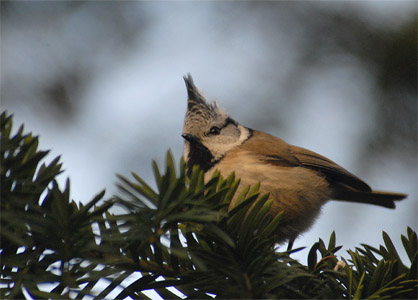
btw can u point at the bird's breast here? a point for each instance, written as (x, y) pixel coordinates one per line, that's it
(298, 191)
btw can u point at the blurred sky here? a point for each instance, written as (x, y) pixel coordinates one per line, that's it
(101, 83)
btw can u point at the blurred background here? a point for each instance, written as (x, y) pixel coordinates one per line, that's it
(101, 84)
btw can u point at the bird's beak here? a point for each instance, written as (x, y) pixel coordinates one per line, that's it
(190, 137)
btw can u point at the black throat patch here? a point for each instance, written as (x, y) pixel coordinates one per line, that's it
(199, 155)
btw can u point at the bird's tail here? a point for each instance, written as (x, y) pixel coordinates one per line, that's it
(385, 199)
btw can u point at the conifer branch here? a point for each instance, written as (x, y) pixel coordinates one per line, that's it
(180, 235)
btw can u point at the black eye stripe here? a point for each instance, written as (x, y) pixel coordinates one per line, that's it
(230, 121)
(227, 122)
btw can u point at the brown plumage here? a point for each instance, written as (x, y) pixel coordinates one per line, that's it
(299, 181)
(344, 185)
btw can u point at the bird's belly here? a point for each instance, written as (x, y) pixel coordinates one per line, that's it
(298, 191)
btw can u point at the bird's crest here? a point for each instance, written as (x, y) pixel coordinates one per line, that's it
(199, 112)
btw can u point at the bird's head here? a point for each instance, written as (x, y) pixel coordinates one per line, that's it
(208, 130)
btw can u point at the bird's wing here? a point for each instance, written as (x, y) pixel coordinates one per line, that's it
(332, 171)
(278, 152)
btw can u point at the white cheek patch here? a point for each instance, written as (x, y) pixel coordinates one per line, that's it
(220, 149)
(245, 134)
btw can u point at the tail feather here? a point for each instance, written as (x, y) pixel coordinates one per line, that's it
(385, 199)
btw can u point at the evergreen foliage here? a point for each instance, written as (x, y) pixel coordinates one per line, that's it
(179, 235)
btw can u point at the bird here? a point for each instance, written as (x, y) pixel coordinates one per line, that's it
(298, 180)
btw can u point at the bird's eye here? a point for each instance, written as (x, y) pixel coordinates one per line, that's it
(214, 131)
